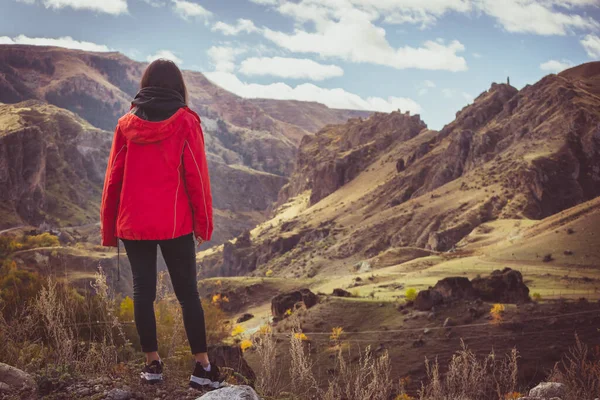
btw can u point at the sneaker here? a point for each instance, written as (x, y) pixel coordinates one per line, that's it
(152, 373)
(202, 379)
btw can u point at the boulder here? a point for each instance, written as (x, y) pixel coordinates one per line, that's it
(341, 293)
(504, 286)
(244, 318)
(13, 378)
(65, 238)
(231, 393)
(548, 390)
(427, 299)
(286, 301)
(230, 357)
(455, 288)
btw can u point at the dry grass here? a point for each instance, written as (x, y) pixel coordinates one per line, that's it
(369, 378)
(579, 371)
(269, 380)
(470, 378)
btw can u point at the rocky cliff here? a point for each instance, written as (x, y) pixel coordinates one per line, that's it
(368, 186)
(251, 144)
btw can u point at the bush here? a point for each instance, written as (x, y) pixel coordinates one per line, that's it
(411, 294)
(536, 297)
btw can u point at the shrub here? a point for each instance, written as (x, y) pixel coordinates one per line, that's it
(245, 345)
(497, 312)
(411, 294)
(536, 296)
(269, 273)
(548, 258)
(237, 331)
(336, 334)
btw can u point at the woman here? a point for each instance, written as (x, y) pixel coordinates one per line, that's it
(157, 193)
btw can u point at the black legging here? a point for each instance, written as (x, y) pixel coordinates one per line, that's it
(180, 256)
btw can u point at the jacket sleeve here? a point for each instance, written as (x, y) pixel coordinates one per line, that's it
(113, 181)
(198, 183)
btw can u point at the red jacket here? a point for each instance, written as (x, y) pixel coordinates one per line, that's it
(157, 185)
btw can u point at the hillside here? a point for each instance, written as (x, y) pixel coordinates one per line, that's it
(250, 149)
(386, 185)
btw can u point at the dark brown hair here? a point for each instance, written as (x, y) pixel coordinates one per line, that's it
(165, 74)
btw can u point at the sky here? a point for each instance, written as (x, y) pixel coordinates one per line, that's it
(429, 57)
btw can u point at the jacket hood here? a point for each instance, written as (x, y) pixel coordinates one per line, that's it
(153, 101)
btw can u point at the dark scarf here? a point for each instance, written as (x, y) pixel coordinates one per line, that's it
(156, 103)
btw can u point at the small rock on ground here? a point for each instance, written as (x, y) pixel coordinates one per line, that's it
(548, 390)
(231, 393)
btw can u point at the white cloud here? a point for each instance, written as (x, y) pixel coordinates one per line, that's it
(223, 57)
(291, 68)
(334, 98)
(65, 41)
(155, 3)
(477, 55)
(467, 97)
(448, 93)
(114, 7)
(360, 41)
(165, 54)
(591, 44)
(425, 86)
(242, 25)
(187, 10)
(542, 17)
(555, 66)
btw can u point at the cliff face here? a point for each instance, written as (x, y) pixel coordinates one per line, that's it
(338, 153)
(387, 182)
(251, 149)
(52, 165)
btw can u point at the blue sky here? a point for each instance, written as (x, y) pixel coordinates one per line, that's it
(426, 56)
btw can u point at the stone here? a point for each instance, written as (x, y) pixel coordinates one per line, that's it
(233, 358)
(14, 378)
(455, 288)
(448, 322)
(548, 390)
(504, 286)
(427, 299)
(341, 293)
(244, 318)
(118, 394)
(286, 301)
(231, 393)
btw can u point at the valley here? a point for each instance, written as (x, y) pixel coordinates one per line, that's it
(333, 219)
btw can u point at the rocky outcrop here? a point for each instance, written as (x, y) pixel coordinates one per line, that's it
(337, 154)
(427, 299)
(504, 286)
(231, 393)
(280, 304)
(455, 288)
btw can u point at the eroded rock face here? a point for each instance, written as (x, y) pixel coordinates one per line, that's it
(287, 301)
(337, 154)
(504, 286)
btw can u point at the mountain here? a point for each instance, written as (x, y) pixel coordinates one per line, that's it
(388, 187)
(251, 144)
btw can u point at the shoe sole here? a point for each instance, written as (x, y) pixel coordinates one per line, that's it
(203, 383)
(151, 379)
